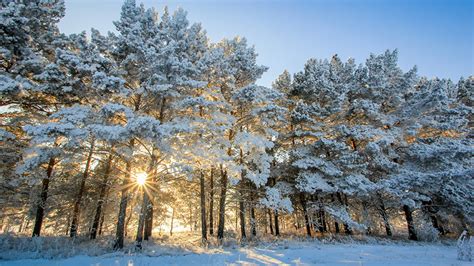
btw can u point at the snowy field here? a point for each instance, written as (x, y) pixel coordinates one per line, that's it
(292, 253)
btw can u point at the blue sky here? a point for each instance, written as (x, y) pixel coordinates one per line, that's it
(435, 35)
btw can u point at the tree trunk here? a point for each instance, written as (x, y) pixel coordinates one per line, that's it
(77, 203)
(253, 226)
(100, 202)
(203, 209)
(68, 222)
(23, 219)
(365, 217)
(411, 226)
(336, 226)
(320, 221)
(190, 217)
(242, 213)
(265, 221)
(27, 223)
(128, 218)
(43, 197)
(211, 204)
(435, 223)
(141, 220)
(385, 218)
(347, 229)
(172, 221)
(296, 221)
(146, 205)
(431, 211)
(120, 232)
(277, 227)
(325, 225)
(271, 222)
(148, 216)
(101, 224)
(305, 214)
(220, 228)
(148, 221)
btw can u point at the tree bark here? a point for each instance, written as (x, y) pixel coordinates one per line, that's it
(146, 205)
(203, 208)
(148, 221)
(243, 235)
(321, 226)
(211, 204)
(120, 232)
(253, 226)
(220, 228)
(101, 224)
(43, 197)
(271, 222)
(410, 224)
(385, 218)
(141, 220)
(305, 214)
(336, 224)
(100, 202)
(323, 218)
(148, 216)
(277, 227)
(128, 218)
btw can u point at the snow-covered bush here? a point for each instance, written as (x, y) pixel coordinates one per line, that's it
(464, 245)
(425, 230)
(13, 246)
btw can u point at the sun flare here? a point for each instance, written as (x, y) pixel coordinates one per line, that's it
(141, 178)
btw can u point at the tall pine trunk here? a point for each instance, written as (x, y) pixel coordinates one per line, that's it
(148, 215)
(321, 218)
(203, 208)
(336, 224)
(100, 202)
(146, 204)
(253, 226)
(148, 221)
(305, 214)
(120, 232)
(101, 224)
(43, 197)
(141, 220)
(271, 222)
(410, 224)
(128, 218)
(241, 200)
(211, 204)
(385, 218)
(242, 213)
(277, 227)
(223, 183)
(80, 194)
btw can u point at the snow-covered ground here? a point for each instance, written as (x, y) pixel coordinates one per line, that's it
(289, 253)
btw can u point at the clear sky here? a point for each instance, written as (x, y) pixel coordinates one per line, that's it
(435, 35)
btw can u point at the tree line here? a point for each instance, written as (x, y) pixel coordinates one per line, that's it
(334, 148)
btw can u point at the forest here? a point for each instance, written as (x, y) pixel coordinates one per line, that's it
(154, 128)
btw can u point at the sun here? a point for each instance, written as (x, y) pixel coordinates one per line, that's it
(141, 178)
